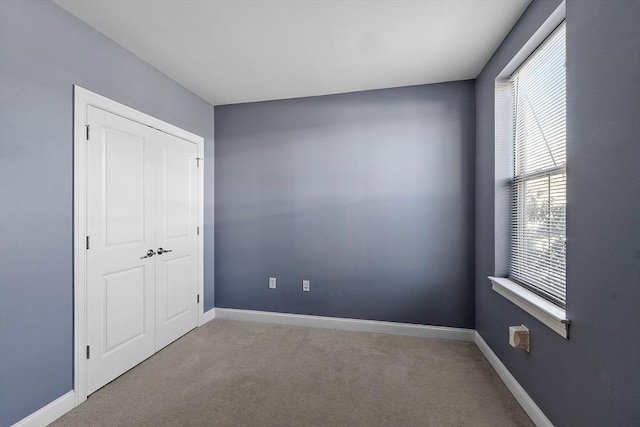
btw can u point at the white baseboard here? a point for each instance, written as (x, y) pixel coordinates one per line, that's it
(207, 316)
(527, 403)
(441, 332)
(48, 414)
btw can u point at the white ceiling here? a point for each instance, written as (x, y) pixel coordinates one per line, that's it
(230, 51)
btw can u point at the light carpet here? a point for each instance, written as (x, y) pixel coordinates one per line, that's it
(229, 373)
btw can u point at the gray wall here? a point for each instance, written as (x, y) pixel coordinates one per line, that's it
(368, 195)
(43, 52)
(593, 378)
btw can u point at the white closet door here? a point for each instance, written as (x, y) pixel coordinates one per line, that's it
(121, 228)
(177, 246)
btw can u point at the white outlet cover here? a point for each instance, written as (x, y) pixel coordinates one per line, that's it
(272, 282)
(306, 286)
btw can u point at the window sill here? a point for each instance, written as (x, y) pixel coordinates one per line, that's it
(543, 310)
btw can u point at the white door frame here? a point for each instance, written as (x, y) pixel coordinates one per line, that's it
(84, 98)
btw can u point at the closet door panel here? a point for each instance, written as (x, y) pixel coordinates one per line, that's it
(121, 229)
(177, 220)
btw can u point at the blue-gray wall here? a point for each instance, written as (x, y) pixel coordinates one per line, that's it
(368, 195)
(43, 52)
(592, 379)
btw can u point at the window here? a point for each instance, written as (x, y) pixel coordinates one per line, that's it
(538, 186)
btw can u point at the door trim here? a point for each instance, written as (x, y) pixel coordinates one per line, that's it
(84, 98)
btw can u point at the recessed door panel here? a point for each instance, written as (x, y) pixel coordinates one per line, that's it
(177, 186)
(124, 308)
(124, 187)
(177, 290)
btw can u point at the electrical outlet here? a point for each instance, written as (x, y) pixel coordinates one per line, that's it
(272, 282)
(306, 286)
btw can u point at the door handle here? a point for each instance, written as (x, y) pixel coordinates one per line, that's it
(161, 251)
(150, 253)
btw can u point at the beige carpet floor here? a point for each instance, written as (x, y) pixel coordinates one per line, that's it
(250, 374)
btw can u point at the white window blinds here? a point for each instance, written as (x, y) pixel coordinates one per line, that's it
(538, 231)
